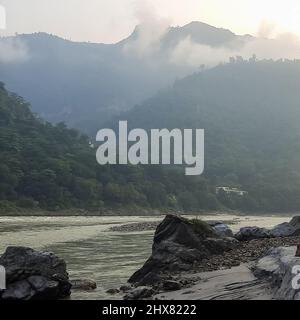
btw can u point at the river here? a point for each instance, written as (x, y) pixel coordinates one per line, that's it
(92, 251)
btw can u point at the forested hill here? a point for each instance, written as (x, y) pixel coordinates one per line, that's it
(52, 167)
(41, 164)
(250, 111)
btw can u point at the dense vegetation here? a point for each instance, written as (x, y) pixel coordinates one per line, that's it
(250, 111)
(52, 167)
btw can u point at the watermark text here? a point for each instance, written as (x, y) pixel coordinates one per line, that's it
(164, 147)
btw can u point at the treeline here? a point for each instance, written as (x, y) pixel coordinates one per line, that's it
(52, 167)
(250, 111)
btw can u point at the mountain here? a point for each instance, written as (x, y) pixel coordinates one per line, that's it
(202, 33)
(84, 84)
(45, 166)
(199, 32)
(41, 165)
(250, 112)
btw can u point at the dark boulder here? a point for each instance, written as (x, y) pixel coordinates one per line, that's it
(283, 230)
(125, 288)
(170, 285)
(178, 245)
(251, 233)
(286, 229)
(221, 228)
(83, 284)
(295, 222)
(113, 291)
(32, 274)
(139, 293)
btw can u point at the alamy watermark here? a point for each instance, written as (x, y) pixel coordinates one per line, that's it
(2, 278)
(165, 147)
(296, 278)
(2, 18)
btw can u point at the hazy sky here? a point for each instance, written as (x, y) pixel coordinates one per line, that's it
(112, 20)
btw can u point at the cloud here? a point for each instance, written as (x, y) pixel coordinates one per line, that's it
(284, 46)
(191, 54)
(149, 32)
(266, 29)
(147, 41)
(13, 50)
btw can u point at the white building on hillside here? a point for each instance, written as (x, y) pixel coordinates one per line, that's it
(229, 190)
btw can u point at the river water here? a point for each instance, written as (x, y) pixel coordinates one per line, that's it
(92, 251)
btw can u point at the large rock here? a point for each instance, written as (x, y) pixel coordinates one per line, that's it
(221, 228)
(283, 230)
(251, 233)
(280, 267)
(295, 222)
(287, 229)
(32, 274)
(178, 245)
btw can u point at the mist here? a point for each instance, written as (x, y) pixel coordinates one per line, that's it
(13, 50)
(187, 52)
(150, 34)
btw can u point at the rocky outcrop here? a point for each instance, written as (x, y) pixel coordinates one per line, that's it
(251, 233)
(283, 230)
(34, 275)
(178, 245)
(295, 222)
(281, 268)
(287, 229)
(221, 228)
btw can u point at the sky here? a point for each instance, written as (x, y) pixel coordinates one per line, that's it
(109, 21)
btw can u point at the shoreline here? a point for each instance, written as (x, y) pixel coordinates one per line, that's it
(222, 276)
(267, 277)
(183, 250)
(245, 252)
(236, 283)
(136, 212)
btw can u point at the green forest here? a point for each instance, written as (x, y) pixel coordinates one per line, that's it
(250, 112)
(52, 167)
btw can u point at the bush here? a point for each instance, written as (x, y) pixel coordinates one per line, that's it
(26, 203)
(202, 228)
(7, 206)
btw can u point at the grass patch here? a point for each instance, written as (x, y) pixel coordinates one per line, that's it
(202, 228)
